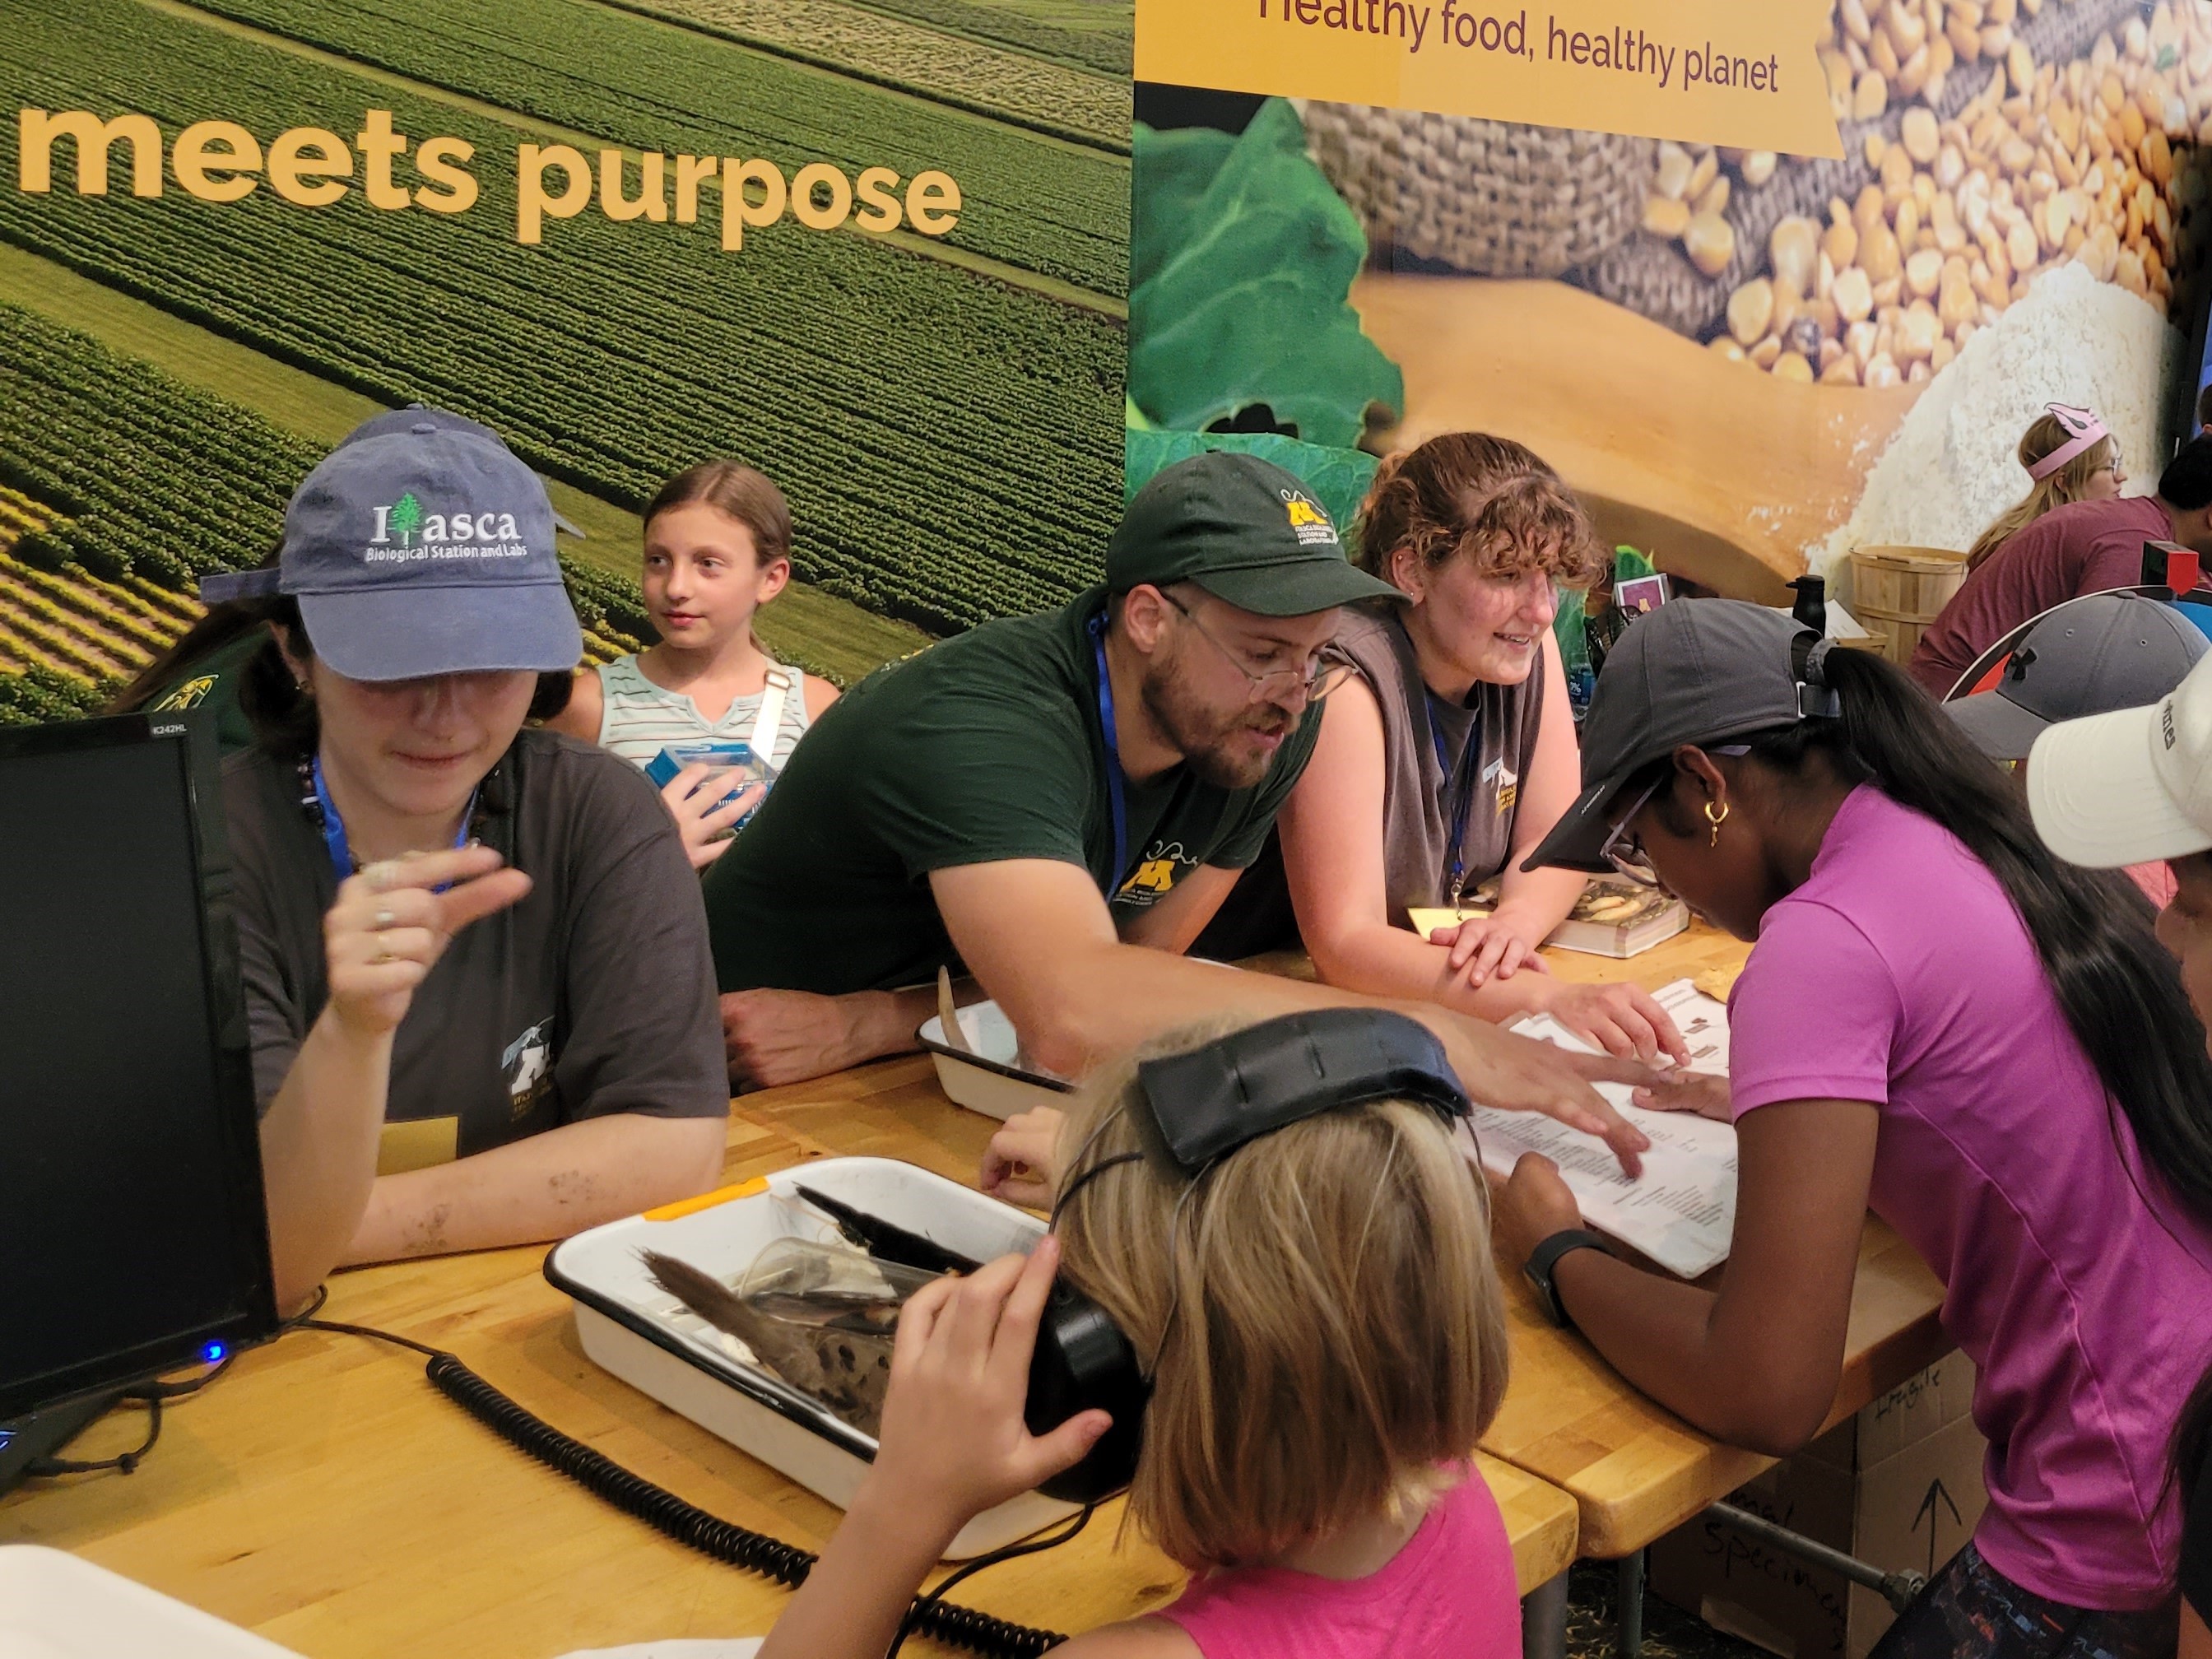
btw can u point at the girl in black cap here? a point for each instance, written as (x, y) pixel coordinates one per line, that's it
(1944, 1023)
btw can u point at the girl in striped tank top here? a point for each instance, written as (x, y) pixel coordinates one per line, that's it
(717, 548)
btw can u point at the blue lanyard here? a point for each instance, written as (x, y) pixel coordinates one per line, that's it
(1455, 853)
(1115, 797)
(333, 826)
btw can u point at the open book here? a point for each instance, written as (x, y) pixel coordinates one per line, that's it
(1682, 1209)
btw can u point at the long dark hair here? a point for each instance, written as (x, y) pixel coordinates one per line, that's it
(2120, 989)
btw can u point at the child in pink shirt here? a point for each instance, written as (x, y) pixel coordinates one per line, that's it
(1326, 1340)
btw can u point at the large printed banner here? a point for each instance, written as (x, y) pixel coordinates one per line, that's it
(1739, 72)
(877, 248)
(1766, 282)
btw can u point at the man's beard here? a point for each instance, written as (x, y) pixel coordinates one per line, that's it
(1204, 737)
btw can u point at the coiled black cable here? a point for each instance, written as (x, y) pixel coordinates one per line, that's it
(658, 1507)
(928, 1611)
(669, 1515)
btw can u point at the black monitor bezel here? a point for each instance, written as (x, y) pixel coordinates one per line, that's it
(192, 735)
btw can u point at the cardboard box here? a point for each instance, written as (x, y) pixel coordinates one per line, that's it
(1899, 1486)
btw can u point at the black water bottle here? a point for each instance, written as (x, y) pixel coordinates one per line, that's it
(1811, 606)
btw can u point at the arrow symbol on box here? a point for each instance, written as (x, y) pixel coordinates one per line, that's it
(1937, 1492)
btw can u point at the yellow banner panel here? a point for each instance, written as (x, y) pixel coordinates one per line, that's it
(1740, 73)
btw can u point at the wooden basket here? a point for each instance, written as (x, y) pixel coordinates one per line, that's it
(1903, 589)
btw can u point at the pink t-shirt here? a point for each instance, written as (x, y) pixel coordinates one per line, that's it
(1449, 1594)
(1900, 974)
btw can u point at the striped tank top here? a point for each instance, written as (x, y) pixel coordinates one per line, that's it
(638, 719)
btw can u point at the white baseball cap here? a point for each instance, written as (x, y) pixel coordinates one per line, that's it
(2131, 786)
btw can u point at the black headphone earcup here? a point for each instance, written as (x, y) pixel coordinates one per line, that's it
(1083, 1362)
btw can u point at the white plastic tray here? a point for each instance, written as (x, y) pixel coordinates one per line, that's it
(54, 1605)
(633, 1329)
(989, 1080)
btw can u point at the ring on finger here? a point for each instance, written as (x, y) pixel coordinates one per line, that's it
(381, 958)
(384, 919)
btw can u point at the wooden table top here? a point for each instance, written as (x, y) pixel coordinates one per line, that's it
(325, 1496)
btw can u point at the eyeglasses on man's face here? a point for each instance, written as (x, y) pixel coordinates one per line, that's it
(1314, 680)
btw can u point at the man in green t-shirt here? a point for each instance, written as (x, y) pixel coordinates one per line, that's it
(1040, 799)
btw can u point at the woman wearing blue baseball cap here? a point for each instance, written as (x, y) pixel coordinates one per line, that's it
(476, 974)
(1941, 1022)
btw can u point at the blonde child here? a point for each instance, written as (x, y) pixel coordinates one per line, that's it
(717, 548)
(2069, 456)
(1322, 1324)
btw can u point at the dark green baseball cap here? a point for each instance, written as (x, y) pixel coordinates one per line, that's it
(1244, 530)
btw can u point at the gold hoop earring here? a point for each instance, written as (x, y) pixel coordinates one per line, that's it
(1716, 819)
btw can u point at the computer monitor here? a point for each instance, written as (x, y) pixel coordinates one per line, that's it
(133, 1236)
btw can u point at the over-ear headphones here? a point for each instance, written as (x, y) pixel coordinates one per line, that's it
(1205, 1104)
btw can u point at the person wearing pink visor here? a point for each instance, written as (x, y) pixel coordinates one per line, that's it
(2086, 546)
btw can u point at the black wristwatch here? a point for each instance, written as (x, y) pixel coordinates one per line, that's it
(1546, 1257)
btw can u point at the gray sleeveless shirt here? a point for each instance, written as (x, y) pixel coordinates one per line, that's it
(1439, 760)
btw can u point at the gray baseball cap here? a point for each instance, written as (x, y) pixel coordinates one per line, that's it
(422, 547)
(2088, 656)
(1698, 671)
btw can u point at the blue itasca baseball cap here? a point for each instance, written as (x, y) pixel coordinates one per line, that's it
(421, 546)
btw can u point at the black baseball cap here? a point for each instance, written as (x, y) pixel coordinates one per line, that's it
(1698, 671)
(2088, 656)
(1244, 530)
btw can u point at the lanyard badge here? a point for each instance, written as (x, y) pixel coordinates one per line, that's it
(1117, 787)
(1463, 802)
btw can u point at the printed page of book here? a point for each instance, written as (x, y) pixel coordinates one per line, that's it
(1681, 1211)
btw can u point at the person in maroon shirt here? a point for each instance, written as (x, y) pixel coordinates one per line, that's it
(2086, 547)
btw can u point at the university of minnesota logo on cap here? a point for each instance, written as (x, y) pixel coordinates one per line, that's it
(1308, 521)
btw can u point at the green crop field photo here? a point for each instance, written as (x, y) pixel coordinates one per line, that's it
(943, 412)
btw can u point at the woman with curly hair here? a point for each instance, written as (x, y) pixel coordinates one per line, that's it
(1447, 755)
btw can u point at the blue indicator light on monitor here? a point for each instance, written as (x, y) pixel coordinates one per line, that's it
(213, 1353)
